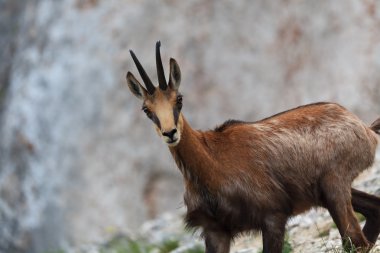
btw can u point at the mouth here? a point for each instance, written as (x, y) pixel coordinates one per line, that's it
(173, 142)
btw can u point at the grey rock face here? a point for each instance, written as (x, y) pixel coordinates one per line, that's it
(79, 160)
(10, 12)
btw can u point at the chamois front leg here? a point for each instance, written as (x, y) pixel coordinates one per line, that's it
(217, 242)
(273, 233)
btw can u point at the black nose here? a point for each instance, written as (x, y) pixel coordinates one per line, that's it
(170, 134)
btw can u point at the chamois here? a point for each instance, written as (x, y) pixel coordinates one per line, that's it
(254, 176)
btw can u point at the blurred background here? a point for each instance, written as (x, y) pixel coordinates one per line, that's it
(80, 162)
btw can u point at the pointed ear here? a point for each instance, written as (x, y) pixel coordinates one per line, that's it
(135, 87)
(175, 75)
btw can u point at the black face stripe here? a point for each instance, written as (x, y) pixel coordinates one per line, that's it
(177, 108)
(176, 112)
(155, 119)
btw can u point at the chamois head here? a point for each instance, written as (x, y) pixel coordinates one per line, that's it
(161, 104)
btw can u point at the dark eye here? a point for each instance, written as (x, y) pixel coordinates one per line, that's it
(179, 100)
(147, 112)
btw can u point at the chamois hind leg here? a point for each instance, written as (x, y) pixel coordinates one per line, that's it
(273, 232)
(337, 200)
(369, 206)
(217, 242)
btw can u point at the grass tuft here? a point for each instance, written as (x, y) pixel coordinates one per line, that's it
(287, 248)
(122, 244)
(360, 217)
(168, 246)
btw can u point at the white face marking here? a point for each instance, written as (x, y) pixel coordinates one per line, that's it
(164, 112)
(166, 118)
(166, 126)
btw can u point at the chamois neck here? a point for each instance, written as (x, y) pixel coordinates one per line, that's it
(190, 140)
(189, 136)
(191, 153)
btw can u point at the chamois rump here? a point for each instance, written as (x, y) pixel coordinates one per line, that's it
(254, 176)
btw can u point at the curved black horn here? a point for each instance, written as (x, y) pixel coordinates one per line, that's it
(148, 83)
(160, 69)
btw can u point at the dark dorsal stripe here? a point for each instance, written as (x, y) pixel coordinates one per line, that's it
(228, 123)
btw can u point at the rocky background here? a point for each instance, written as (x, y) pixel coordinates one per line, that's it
(80, 163)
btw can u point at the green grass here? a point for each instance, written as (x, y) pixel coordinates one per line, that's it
(55, 251)
(196, 249)
(287, 248)
(127, 245)
(168, 246)
(360, 217)
(123, 244)
(324, 233)
(348, 247)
